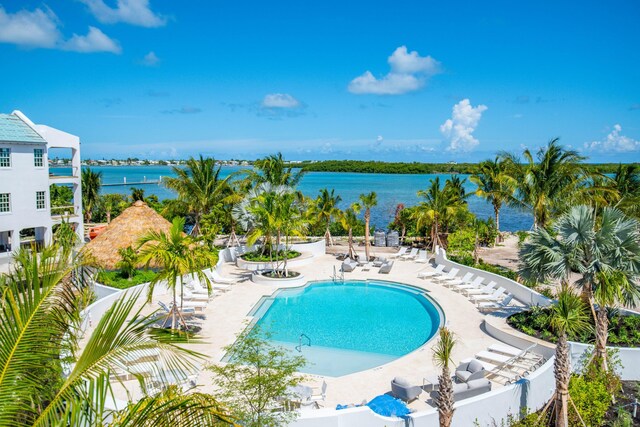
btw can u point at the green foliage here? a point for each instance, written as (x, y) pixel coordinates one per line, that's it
(60, 195)
(137, 194)
(128, 261)
(65, 236)
(592, 399)
(522, 237)
(110, 206)
(263, 257)
(256, 379)
(467, 259)
(461, 242)
(623, 419)
(116, 279)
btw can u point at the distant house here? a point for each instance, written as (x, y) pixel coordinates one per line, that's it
(25, 177)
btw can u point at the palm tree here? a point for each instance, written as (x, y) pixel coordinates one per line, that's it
(177, 255)
(349, 220)
(604, 251)
(40, 326)
(326, 208)
(550, 182)
(137, 194)
(199, 186)
(495, 185)
(368, 201)
(91, 183)
(440, 204)
(568, 316)
(291, 221)
(442, 351)
(272, 169)
(626, 183)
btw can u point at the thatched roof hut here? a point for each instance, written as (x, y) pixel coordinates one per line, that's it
(125, 230)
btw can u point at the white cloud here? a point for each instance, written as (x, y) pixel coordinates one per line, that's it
(280, 100)
(460, 127)
(134, 12)
(38, 28)
(409, 72)
(150, 59)
(94, 41)
(614, 142)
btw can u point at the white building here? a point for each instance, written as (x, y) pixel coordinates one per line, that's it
(25, 205)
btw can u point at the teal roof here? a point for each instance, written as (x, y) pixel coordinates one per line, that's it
(13, 129)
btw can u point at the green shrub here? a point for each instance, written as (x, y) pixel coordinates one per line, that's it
(462, 242)
(522, 237)
(259, 257)
(592, 399)
(116, 279)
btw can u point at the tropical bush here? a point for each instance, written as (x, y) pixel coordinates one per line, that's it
(591, 397)
(263, 257)
(118, 279)
(467, 259)
(624, 331)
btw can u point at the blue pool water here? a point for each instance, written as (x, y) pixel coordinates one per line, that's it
(353, 326)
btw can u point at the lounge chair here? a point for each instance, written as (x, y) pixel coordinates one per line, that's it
(466, 279)
(497, 295)
(451, 275)
(475, 284)
(319, 395)
(386, 267)
(187, 295)
(348, 265)
(198, 306)
(465, 390)
(432, 273)
(401, 251)
(486, 289)
(494, 306)
(422, 257)
(470, 370)
(503, 361)
(186, 311)
(410, 255)
(402, 389)
(525, 353)
(214, 277)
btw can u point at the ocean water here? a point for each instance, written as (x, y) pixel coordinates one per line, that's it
(391, 190)
(350, 327)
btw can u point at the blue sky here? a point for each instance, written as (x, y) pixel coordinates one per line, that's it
(408, 81)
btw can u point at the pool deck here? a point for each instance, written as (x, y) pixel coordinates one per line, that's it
(226, 317)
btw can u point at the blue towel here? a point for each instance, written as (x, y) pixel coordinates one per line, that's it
(388, 406)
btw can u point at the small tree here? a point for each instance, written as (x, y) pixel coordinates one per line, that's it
(442, 357)
(128, 261)
(137, 194)
(256, 379)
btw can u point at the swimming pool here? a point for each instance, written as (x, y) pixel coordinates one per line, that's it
(341, 328)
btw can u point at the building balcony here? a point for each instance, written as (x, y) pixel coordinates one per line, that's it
(66, 213)
(64, 173)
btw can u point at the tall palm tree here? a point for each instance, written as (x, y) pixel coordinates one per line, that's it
(177, 255)
(495, 185)
(199, 186)
(349, 220)
(368, 201)
(626, 183)
(273, 169)
(441, 202)
(568, 316)
(442, 351)
(292, 221)
(326, 208)
(603, 251)
(550, 182)
(40, 327)
(91, 184)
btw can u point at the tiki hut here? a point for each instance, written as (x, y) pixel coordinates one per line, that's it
(124, 231)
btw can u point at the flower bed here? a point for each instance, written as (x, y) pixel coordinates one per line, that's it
(624, 331)
(115, 279)
(256, 256)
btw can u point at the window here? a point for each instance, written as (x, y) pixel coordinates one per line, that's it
(38, 154)
(40, 200)
(5, 157)
(5, 202)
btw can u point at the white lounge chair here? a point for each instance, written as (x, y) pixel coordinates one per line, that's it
(493, 306)
(317, 396)
(486, 289)
(213, 276)
(410, 255)
(422, 257)
(497, 295)
(475, 284)
(187, 295)
(401, 251)
(451, 275)
(525, 353)
(432, 273)
(457, 282)
(198, 306)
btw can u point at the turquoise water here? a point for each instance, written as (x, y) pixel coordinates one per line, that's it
(391, 189)
(353, 326)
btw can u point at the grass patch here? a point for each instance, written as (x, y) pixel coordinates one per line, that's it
(624, 331)
(115, 279)
(260, 257)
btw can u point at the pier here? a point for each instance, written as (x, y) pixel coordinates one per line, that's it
(124, 182)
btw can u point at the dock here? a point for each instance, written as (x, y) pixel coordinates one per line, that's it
(124, 182)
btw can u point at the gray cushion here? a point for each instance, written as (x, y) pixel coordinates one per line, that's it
(479, 383)
(457, 388)
(402, 381)
(475, 366)
(463, 375)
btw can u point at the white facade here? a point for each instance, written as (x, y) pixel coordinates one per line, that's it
(27, 180)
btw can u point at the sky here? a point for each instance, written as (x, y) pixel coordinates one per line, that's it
(404, 81)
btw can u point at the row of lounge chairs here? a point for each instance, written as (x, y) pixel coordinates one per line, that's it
(349, 265)
(415, 254)
(486, 297)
